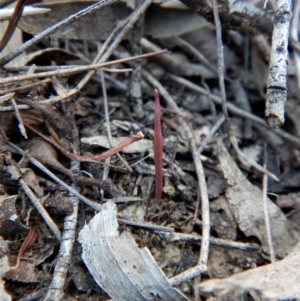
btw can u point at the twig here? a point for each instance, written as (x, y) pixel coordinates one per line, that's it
(211, 134)
(146, 226)
(14, 19)
(233, 109)
(183, 237)
(108, 123)
(27, 87)
(158, 149)
(188, 274)
(276, 88)
(18, 116)
(265, 208)
(36, 203)
(56, 288)
(41, 210)
(7, 97)
(294, 36)
(51, 30)
(198, 165)
(65, 72)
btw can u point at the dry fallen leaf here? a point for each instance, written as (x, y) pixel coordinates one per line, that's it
(245, 202)
(138, 147)
(159, 21)
(278, 281)
(119, 267)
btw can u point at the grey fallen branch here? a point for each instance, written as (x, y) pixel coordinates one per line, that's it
(276, 89)
(58, 283)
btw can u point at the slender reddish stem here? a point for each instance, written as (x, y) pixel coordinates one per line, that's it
(29, 240)
(158, 149)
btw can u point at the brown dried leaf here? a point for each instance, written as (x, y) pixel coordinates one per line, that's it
(159, 22)
(245, 202)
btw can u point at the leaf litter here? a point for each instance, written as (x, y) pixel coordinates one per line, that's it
(138, 246)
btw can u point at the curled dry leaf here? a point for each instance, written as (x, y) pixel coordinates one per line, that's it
(123, 270)
(245, 202)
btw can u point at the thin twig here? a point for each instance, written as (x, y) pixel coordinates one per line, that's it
(51, 30)
(18, 116)
(158, 149)
(65, 72)
(108, 123)
(294, 36)
(265, 208)
(146, 226)
(183, 237)
(12, 25)
(35, 202)
(27, 87)
(41, 210)
(211, 134)
(188, 274)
